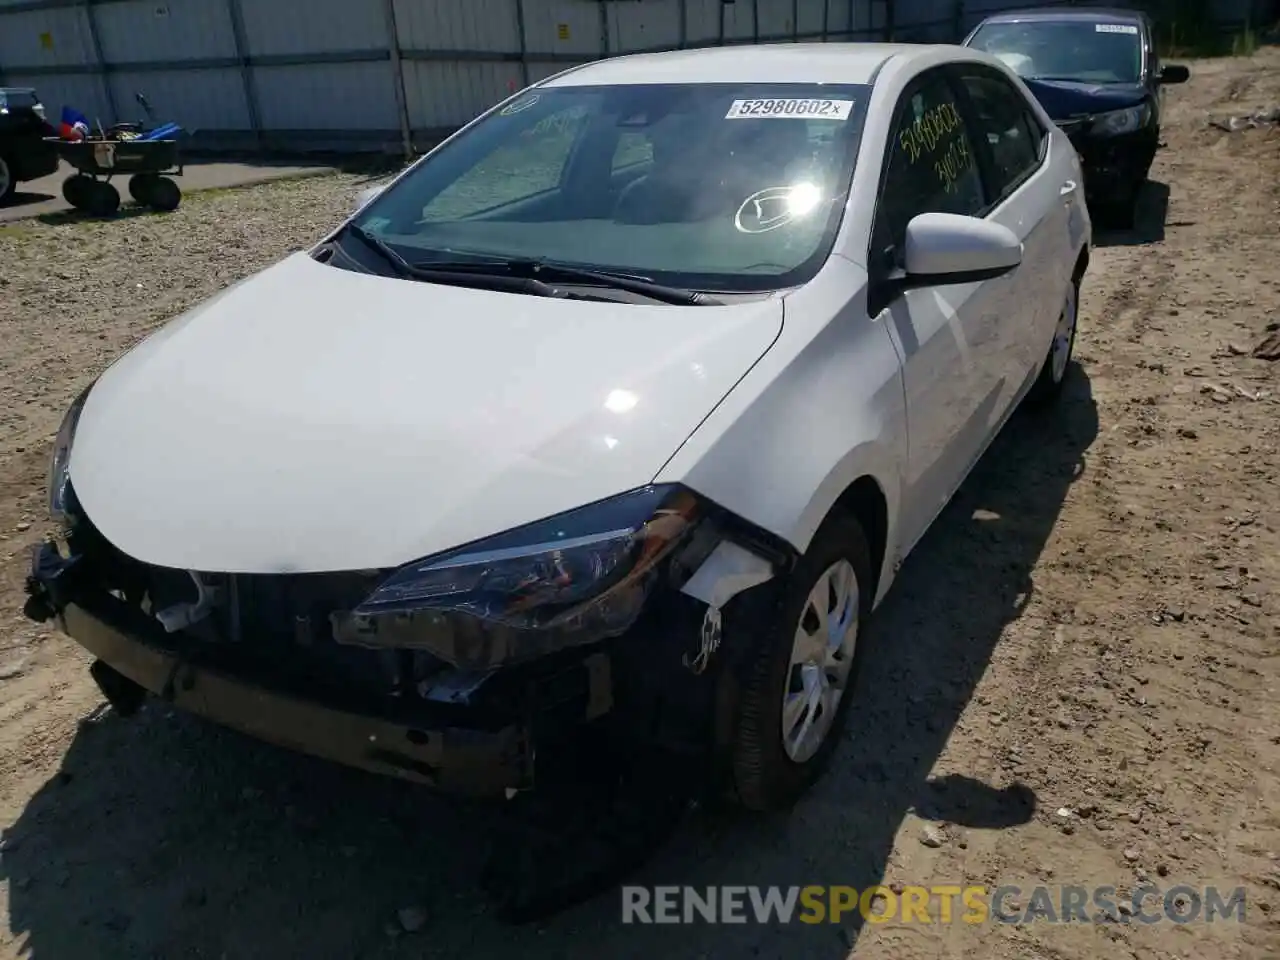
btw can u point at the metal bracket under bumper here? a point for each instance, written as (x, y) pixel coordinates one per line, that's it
(475, 763)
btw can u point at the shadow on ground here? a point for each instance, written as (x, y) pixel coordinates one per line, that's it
(21, 198)
(164, 836)
(1148, 224)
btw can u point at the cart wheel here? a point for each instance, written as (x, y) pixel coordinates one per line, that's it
(163, 195)
(76, 188)
(140, 187)
(102, 199)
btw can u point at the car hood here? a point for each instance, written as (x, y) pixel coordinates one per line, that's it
(316, 419)
(1064, 98)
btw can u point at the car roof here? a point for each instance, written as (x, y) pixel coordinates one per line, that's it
(855, 63)
(1058, 14)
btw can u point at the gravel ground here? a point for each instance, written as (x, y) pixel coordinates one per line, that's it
(1075, 680)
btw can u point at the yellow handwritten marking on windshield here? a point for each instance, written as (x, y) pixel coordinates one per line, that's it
(930, 129)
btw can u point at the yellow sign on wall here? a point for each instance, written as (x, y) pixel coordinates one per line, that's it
(562, 31)
(46, 41)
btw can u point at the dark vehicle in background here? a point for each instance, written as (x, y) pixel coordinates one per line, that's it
(1098, 75)
(24, 155)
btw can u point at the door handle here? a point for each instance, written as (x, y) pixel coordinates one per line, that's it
(1067, 188)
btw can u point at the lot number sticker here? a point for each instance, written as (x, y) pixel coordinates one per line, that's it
(1115, 28)
(805, 109)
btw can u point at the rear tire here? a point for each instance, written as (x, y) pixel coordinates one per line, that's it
(773, 763)
(163, 195)
(1053, 373)
(8, 184)
(140, 187)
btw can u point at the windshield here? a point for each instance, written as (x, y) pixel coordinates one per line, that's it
(716, 187)
(1066, 49)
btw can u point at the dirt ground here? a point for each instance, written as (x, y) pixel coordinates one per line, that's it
(1089, 630)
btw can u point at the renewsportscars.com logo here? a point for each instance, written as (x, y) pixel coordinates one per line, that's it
(932, 905)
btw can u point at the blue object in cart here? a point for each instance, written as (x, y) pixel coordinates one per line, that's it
(165, 132)
(72, 116)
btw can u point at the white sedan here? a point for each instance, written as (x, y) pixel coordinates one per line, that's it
(614, 415)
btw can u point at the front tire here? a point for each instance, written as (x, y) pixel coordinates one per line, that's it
(801, 670)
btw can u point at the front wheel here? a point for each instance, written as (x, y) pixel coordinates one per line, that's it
(802, 667)
(1053, 374)
(101, 199)
(76, 188)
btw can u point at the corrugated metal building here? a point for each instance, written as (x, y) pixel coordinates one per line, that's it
(375, 74)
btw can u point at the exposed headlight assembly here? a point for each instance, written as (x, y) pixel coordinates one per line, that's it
(60, 462)
(1116, 122)
(571, 579)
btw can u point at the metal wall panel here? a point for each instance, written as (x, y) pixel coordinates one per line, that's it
(809, 14)
(450, 94)
(643, 26)
(336, 96)
(447, 25)
(739, 20)
(82, 91)
(45, 38)
(563, 27)
(142, 30)
(197, 99)
(776, 20)
(313, 26)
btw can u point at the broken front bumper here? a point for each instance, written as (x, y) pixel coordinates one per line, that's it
(1114, 166)
(486, 757)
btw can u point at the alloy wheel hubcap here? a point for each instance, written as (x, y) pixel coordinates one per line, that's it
(1063, 335)
(821, 658)
(4, 178)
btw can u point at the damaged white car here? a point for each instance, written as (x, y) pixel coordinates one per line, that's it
(610, 418)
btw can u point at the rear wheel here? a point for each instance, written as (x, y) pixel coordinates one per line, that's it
(163, 195)
(1053, 374)
(7, 182)
(803, 665)
(140, 186)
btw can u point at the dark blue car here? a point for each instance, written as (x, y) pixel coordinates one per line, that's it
(1097, 73)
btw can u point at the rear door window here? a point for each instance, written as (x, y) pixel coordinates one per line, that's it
(1011, 134)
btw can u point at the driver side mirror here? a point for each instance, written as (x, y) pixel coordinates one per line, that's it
(367, 194)
(945, 248)
(1174, 73)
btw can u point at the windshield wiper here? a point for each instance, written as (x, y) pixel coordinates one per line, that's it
(566, 273)
(449, 274)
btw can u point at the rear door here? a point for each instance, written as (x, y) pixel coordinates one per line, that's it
(1025, 197)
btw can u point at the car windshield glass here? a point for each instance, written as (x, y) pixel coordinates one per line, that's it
(729, 187)
(1079, 50)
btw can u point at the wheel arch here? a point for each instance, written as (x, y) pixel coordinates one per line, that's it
(865, 501)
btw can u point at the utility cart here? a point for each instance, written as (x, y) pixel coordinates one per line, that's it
(148, 162)
(149, 158)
